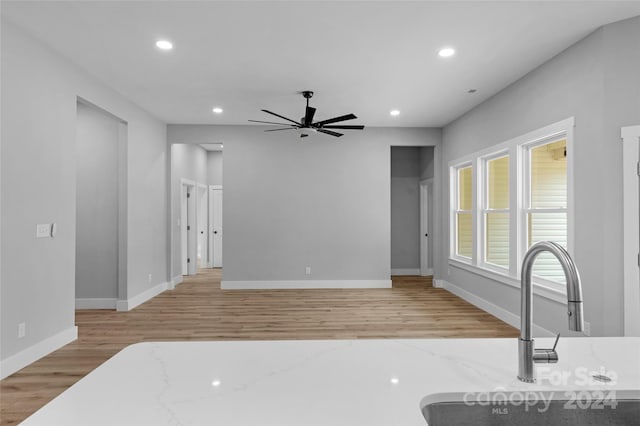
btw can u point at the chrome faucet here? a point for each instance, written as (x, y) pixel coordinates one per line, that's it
(527, 354)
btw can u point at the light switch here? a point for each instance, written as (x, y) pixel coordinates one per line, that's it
(43, 230)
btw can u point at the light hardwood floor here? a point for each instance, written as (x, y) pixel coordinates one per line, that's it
(198, 310)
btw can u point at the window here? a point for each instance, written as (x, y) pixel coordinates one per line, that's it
(496, 212)
(546, 203)
(523, 196)
(463, 212)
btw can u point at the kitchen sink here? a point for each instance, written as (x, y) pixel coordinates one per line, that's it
(531, 408)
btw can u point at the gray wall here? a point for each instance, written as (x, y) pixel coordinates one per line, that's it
(596, 81)
(97, 141)
(427, 162)
(187, 162)
(214, 167)
(322, 203)
(38, 124)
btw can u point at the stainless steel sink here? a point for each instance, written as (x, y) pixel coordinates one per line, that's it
(529, 408)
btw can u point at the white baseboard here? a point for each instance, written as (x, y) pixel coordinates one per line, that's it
(129, 304)
(171, 285)
(33, 353)
(438, 283)
(428, 272)
(95, 303)
(304, 284)
(498, 312)
(405, 271)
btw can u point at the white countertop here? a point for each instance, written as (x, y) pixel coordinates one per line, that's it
(332, 382)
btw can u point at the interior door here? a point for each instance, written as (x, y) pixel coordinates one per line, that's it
(188, 228)
(426, 198)
(215, 221)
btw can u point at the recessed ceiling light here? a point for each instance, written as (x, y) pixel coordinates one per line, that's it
(394, 112)
(164, 45)
(446, 52)
(217, 110)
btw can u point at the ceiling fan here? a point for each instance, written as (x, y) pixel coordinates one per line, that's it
(306, 126)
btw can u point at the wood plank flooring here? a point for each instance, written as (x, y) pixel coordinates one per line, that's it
(198, 310)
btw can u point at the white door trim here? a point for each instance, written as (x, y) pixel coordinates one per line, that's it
(187, 236)
(631, 202)
(204, 227)
(425, 186)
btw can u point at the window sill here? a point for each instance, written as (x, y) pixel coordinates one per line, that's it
(539, 289)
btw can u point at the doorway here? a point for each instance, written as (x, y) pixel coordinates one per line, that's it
(215, 225)
(101, 182)
(412, 173)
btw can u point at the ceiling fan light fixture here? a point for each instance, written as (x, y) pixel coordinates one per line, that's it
(306, 131)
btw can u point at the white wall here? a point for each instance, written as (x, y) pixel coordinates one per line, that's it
(187, 162)
(322, 203)
(97, 141)
(596, 81)
(39, 95)
(214, 167)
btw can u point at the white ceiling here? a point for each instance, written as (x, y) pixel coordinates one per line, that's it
(365, 57)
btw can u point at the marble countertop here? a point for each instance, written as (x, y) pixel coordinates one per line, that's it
(331, 382)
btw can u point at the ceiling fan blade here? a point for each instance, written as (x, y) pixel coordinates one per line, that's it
(270, 122)
(278, 115)
(283, 128)
(329, 132)
(344, 127)
(335, 119)
(308, 117)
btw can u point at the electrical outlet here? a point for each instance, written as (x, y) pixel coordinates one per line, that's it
(150, 278)
(22, 330)
(587, 328)
(307, 270)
